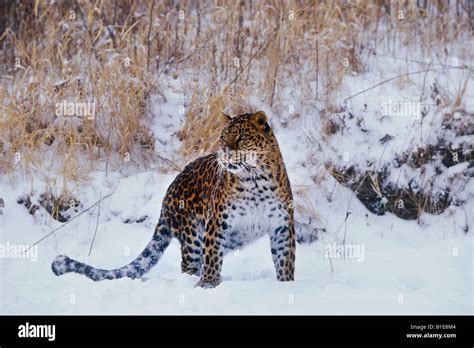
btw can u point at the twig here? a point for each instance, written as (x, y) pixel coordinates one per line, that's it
(148, 35)
(332, 191)
(424, 84)
(96, 224)
(345, 222)
(381, 156)
(394, 78)
(464, 67)
(331, 266)
(73, 218)
(275, 73)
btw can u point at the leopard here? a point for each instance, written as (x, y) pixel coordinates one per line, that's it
(219, 203)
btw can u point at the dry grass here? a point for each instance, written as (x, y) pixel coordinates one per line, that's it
(116, 54)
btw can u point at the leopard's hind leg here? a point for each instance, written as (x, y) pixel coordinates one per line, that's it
(191, 249)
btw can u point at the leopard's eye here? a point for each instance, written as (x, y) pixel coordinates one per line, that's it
(242, 137)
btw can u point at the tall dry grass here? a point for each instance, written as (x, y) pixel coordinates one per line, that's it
(118, 53)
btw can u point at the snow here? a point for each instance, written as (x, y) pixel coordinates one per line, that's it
(425, 267)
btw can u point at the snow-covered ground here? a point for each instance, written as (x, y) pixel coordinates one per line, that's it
(399, 266)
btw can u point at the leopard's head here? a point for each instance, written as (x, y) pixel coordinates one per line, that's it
(246, 142)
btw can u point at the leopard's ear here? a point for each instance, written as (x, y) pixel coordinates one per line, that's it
(262, 120)
(224, 117)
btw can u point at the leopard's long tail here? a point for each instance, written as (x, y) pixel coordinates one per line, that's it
(135, 269)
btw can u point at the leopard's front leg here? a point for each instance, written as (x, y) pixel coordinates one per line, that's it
(213, 254)
(282, 241)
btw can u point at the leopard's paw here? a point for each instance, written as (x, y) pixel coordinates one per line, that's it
(208, 283)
